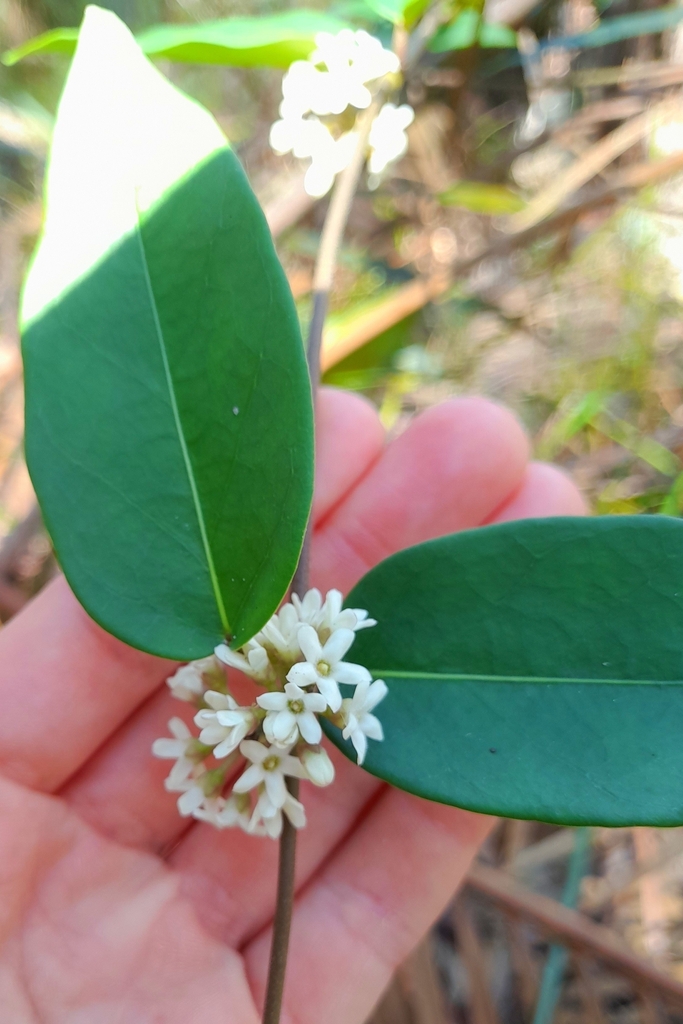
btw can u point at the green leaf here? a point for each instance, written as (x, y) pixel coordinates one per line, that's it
(169, 420)
(58, 40)
(399, 12)
(493, 35)
(479, 197)
(614, 30)
(273, 41)
(460, 34)
(535, 669)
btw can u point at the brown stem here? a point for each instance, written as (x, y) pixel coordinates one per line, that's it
(333, 232)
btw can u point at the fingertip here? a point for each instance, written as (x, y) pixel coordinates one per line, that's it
(546, 490)
(349, 438)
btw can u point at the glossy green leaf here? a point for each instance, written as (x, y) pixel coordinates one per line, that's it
(535, 669)
(480, 197)
(270, 41)
(169, 420)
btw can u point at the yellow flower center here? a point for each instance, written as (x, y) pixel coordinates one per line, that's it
(270, 763)
(296, 707)
(324, 668)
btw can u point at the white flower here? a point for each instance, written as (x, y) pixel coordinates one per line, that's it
(253, 662)
(360, 723)
(279, 635)
(324, 666)
(225, 725)
(319, 767)
(332, 616)
(188, 682)
(291, 713)
(181, 748)
(193, 796)
(388, 140)
(269, 767)
(222, 813)
(267, 818)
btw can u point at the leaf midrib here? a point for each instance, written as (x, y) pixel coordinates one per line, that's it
(181, 436)
(457, 677)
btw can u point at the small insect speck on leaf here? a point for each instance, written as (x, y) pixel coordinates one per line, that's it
(493, 750)
(235, 410)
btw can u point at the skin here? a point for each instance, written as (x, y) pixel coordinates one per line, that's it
(113, 910)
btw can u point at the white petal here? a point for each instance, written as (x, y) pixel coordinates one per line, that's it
(337, 646)
(314, 702)
(252, 777)
(230, 657)
(376, 693)
(275, 788)
(303, 674)
(294, 692)
(372, 727)
(254, 751)
(229, 719)
(311, 604)
(179, 775)
(226, 747)
(190, 801)
(204, 718)
(273, 826)
(284, 724)
(353, 675)
(295, 811)
(292, 766)
(333, 604)
(168, 748)
(219, 701)
(309, 644)
(179, 729)
(212, 735)
(360, 743)
(309, 727)
(272, 701)
(330, 691)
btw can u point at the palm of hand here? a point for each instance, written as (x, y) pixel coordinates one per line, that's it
(113, 910)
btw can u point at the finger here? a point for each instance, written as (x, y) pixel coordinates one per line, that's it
(456, 463)
(450, 470)
(346, 423)
(545, 491)
(373, 902)
(75, 684)
(91, 931)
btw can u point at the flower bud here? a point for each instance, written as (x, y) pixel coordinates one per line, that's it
(319, 768)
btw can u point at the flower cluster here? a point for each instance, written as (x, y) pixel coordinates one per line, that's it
(298, 657)
(341, 73)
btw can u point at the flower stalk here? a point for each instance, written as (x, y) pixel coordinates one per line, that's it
(330, 242)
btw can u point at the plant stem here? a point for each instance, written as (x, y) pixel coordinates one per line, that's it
(332, 234)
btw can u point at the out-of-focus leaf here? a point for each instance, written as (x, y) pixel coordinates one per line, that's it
(399, 12)
(58, 40)
(460, 34)
(467, 29)
(168, 421)
(535, 669)
(494, 36)
(480, 197)
(270, 41)
(614, 30)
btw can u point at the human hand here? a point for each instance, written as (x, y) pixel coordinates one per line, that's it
(113, 910)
